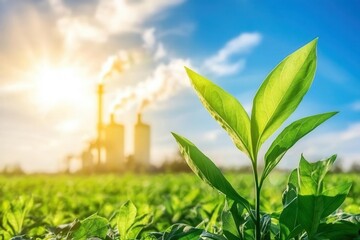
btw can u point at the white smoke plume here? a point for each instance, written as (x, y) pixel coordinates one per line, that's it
(166, 80)
(152, 44)
(125, 100)
(119, 62)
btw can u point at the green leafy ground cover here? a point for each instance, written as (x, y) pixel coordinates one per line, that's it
(47, 207)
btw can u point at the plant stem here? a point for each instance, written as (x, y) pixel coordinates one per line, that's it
(257, 203)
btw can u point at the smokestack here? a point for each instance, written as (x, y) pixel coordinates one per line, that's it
(142, 144)
(100, 121)
(112, 118)
(138, 118)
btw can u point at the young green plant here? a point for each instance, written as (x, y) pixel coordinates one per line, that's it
(277, 98)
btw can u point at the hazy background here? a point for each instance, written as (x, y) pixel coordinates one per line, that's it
(52, 52)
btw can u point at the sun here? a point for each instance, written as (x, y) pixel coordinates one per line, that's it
(59, 85)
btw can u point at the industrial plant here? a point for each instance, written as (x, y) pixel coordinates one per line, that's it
(106, 153)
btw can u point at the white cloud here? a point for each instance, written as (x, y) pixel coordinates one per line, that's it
(160, 52)
(221, 63)
(76, 30)
(111, 17)
(350, 134)
(59, 7)
(152, 44)
(212, 135)
(121, 15)
(241, 44)
(225, 68)
(149, 38)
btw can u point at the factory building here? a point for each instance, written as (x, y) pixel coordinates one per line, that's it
(141, 144)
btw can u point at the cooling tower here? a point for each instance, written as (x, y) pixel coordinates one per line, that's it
(142, 144)
(114, 145)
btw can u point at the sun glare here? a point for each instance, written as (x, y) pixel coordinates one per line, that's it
(57, 85)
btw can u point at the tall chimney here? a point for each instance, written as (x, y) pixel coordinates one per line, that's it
(139, 118)
(100, 92)
(112, 117)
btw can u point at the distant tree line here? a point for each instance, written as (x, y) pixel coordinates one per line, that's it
(176, 164)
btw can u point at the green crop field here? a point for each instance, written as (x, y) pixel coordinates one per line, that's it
(39, 207)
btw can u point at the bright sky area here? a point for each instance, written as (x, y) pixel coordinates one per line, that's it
(52, 53)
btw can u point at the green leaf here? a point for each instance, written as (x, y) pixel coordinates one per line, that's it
(321, 206)
(340, 230)
(281, 93)
(293, 179)
(340, 226)
(334, 197)
(288, 220)
(315, 202)
(5, 235)
(65, 229)
(308, 201)
(182, 232)
(204, 168)
(225, 109)
(125, 219)
(311, 175)
(230, 221)
(16, 213)
(212, 236)
(313, 208)
(230, 230)
(265, 223)
(186, 232)
(288, 217)
(93, 226)
(289, 136)
(139, 224)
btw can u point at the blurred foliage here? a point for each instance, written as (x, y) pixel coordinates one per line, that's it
(60, 206)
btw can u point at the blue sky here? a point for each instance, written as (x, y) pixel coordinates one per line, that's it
(234, 43)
